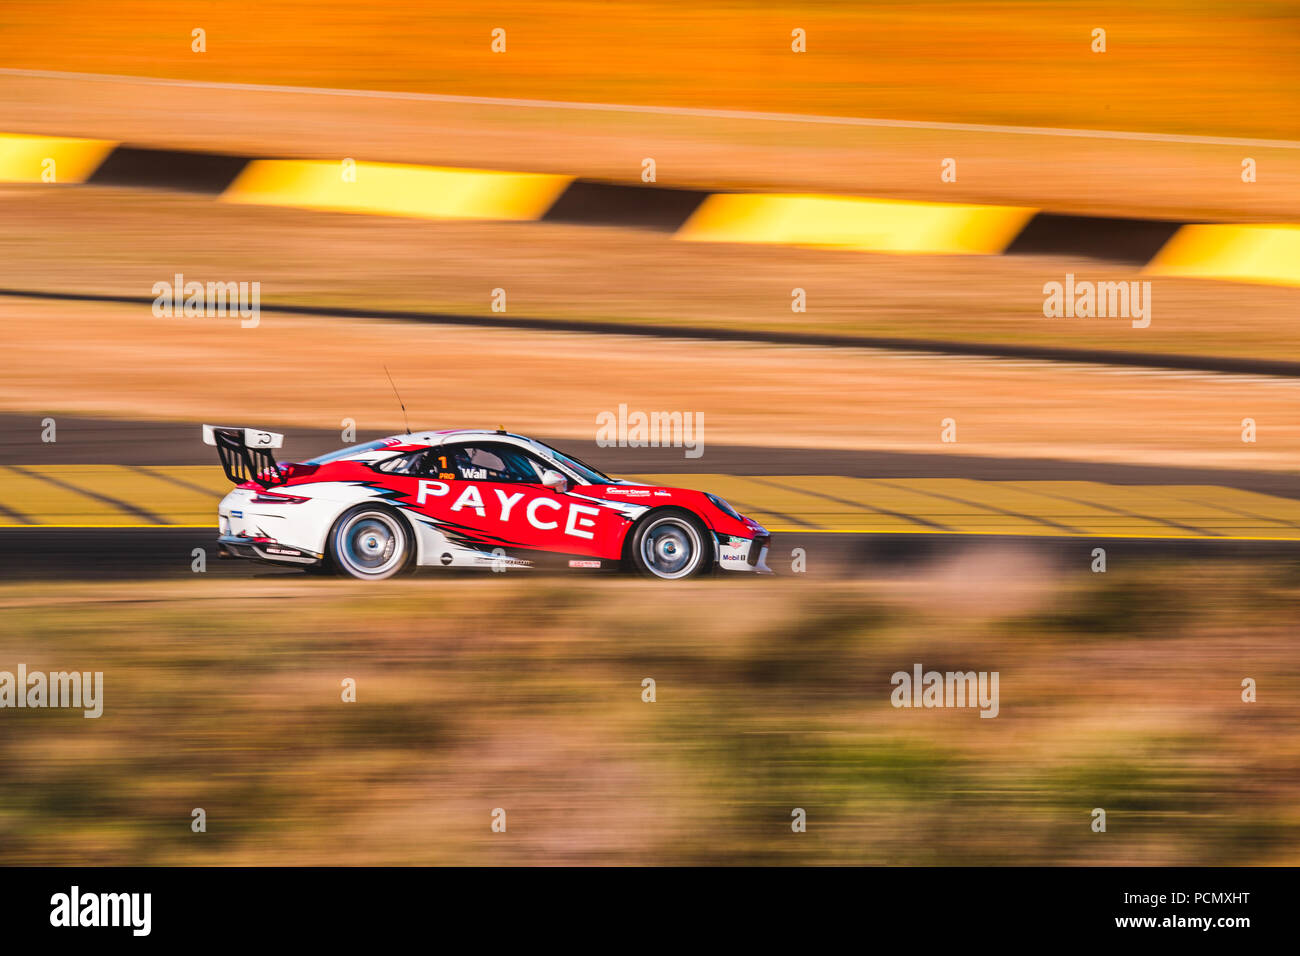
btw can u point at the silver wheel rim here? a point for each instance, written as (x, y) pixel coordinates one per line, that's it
(371, 544)
(671, 548)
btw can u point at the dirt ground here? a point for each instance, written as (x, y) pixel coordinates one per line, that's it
(79, 239)
(1110, 177)
(1118, 690)
(121, 361)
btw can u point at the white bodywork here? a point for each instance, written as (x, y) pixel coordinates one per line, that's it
(306, 526)
(292, 523)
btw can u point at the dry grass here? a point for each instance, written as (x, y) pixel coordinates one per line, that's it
(123, 241)
(120, 361)
(1119, 691)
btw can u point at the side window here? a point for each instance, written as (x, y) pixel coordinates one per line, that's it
(438, 463)
(488, 462)
(412, 464)
(535, 466)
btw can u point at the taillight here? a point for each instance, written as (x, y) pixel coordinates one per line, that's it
(264, 497)
(294, 469)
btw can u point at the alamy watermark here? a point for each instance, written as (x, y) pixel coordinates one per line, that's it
(75, 908)
(213, 300)
(82, 689)
(1101, 300)
(637, 429)
(950, 689)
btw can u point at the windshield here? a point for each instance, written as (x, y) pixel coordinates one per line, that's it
(345, 452)
(584, 471)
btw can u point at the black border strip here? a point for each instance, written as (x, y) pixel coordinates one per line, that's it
(588, 202)
(1132, 241)
(209, 173)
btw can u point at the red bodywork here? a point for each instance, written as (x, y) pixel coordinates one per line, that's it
(520, 515)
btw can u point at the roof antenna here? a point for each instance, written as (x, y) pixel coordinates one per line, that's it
(405, 420)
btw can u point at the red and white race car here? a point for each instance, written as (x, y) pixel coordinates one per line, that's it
(466, 498)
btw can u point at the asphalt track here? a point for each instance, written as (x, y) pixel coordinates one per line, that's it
(97, 441)
(102, 554)
(132, 551)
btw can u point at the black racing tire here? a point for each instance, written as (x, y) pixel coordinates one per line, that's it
(371, 543)
(670, 544)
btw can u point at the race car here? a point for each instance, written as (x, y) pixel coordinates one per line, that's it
(466, 498)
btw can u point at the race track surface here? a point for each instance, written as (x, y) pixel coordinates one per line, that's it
(126, 499)
(130, 554)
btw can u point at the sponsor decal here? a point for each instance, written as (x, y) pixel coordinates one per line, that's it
(584, 564)
(288, 551)
(501, 561)
(734, 550)
(236, 514)
(576, 520)
(446, 558)
(430, 489)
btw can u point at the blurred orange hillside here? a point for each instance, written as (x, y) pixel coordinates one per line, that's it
(1213, 68)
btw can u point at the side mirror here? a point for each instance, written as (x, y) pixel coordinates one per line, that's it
(555, 481)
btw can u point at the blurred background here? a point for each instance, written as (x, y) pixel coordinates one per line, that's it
(1120, 689)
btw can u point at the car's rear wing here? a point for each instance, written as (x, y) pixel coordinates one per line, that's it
(245, 453)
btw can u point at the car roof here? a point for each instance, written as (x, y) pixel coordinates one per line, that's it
(432, 439)
(441, 436)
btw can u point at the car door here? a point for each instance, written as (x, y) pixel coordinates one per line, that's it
(494, 495)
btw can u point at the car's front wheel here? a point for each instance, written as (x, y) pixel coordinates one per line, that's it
(671, 544)
(371, 543)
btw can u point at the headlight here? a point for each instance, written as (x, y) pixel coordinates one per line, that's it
(725, 508)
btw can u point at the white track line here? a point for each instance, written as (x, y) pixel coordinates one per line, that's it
(668, 110)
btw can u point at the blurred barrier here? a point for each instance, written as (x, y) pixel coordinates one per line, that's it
(1268, 254)
(866, 225)
(36, 159)
(388, 189)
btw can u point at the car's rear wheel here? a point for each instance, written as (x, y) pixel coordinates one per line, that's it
(371, 543)
(671, 544)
